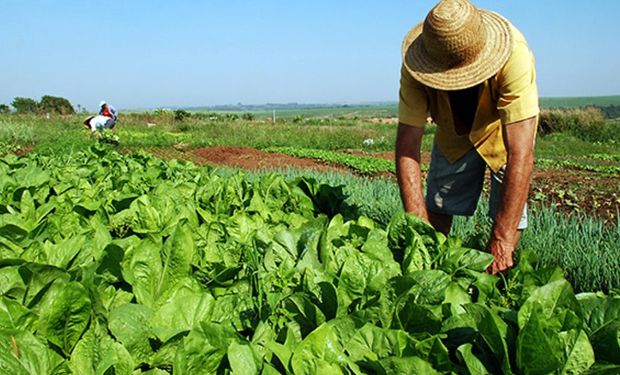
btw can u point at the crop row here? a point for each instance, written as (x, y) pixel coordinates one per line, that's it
(359, 163)
(604, 170)
(373, 165)
(129, 264)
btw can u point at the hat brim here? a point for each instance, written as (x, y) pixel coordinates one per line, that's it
(488, 62)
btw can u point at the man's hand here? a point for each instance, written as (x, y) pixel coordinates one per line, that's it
(503, 256)
(519, 140)
(408, 144)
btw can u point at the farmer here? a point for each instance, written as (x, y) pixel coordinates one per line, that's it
(108, 111)
(105, 119)
(473, 73)
(98, 123)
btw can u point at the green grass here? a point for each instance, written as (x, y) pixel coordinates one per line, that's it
(16, 133)
(320, 134)
(561, 146)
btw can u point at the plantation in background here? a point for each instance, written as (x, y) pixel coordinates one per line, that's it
(115, 261)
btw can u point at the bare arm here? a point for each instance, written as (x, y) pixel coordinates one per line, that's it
(408, 144)
(519, 140)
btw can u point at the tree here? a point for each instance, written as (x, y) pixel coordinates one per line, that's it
(248, 116)
(25, 105)
(55, 104)
(4, 108)
(181, 114)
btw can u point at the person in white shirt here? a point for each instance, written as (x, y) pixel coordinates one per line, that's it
(105, 119)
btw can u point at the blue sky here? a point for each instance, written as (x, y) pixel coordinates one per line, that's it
(150, 54)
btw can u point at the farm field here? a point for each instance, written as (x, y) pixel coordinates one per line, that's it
(385, 110)
(233, 245)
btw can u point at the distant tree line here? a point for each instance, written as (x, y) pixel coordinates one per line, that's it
(47, 104)
(610, 111)
(587, 123)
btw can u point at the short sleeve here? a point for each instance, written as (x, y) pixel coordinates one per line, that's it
(413, 101)
(518, 94)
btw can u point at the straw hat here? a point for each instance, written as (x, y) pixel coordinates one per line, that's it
(457, 46)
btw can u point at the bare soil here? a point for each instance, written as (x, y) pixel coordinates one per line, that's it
(244, 158)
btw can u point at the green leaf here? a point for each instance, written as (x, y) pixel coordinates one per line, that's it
(407, 365)
(153, 271)
(13, 229)
(183, 310)
(602, 323)
(412, 240)
(177, 255)
(142, 269)
(426, 287)
(38, 278)
(372, 343)
(204, 349)
(27, 209)
(556, 302)
(110, 264)
(130, 324)
(63, 254)
(328, 299)
(98, 354)
(146, 217)
(304, 312)
(435, 352)
(538, 351)
(456, 297)
(417, 318)
(21, 353)
(551, 337)
(580, 353)
(11, 283)
(604, 369)
(64, 314)
(456, 258)
(242, 359)
(284, 352)
(320, 351)
(14, 316)
(474, 364)
(495, 334)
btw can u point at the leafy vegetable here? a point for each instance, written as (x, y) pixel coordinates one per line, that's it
(128, 264)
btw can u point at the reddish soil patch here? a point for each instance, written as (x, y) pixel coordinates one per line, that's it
(253, 159)
(244, 158)
(573, 192)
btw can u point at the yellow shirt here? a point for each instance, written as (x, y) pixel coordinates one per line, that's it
(509, 96)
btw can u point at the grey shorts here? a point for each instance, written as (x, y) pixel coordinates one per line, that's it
(109, 124)
(454, 189)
